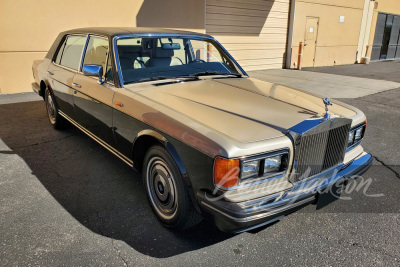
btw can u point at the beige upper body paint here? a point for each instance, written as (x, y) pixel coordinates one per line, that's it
(238, 116)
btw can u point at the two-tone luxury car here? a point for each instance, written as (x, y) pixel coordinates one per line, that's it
(210, 141)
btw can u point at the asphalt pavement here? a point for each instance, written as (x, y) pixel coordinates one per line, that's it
(381, 70)
(65, 200)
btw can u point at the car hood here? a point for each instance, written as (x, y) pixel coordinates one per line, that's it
(244, 109)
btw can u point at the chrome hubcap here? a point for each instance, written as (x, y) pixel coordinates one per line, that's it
(51, 110)
(161, 187)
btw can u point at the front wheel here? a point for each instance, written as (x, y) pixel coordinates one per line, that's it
(167, 194)
(55, 118)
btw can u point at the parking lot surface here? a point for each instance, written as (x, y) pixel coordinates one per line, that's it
(65, 200)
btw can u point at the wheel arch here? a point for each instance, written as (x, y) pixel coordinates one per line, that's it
(147, 138)
(43, 85)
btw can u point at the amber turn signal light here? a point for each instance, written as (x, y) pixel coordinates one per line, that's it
(226, 172)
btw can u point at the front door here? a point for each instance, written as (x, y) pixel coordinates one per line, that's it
(93, 101)
(310, 41)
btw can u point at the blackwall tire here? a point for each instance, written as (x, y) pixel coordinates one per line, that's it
(166, 191)
(56, 120)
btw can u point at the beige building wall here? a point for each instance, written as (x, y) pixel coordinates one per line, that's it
(337, 42)
(253, 31)
(28, 28)
(365, 30)
(383, 6)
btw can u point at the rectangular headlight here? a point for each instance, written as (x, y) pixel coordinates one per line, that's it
(250, 169)
(351, 138)
(272, 164)
(356, 134)
(264, 165)
(359, 133)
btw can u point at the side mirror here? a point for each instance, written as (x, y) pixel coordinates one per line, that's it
(94, 70)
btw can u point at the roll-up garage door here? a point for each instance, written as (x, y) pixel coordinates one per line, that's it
(253, 31)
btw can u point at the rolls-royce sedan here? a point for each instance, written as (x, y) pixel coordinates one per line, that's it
(210, 141)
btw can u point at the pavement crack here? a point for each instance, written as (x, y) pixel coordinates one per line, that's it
(388, 167)
(45, 142)
(119, 253)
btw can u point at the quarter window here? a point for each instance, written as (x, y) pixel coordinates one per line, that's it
(71, 56)
(60, 51)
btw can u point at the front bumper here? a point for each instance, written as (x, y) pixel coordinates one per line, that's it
(243, 216)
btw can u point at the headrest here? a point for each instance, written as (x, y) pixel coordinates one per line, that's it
(159, 52)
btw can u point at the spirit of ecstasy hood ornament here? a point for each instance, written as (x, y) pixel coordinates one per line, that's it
(327, 103)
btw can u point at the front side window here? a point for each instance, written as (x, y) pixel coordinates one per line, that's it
(71, 56)
(147, 58)
(96, 52)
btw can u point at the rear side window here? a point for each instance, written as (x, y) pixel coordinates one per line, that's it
(71, 56)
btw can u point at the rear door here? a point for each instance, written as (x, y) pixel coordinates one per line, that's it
(93, 101)
(62, 70)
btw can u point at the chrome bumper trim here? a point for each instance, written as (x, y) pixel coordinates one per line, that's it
(36, 88)
(267, 214)
(241, 216)
(98, 140)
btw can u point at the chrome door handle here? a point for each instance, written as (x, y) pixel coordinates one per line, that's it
(50, 72)
(76, 85)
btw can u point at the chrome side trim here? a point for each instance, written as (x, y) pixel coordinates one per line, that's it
(98, 140)
(63, 67)
(260, 216)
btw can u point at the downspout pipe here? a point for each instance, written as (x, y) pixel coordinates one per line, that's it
(289, 45)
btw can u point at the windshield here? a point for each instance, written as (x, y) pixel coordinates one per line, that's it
(144, 58)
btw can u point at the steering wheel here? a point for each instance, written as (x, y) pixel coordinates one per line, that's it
(197, 61)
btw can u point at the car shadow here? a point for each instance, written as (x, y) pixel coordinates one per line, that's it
(95, 187)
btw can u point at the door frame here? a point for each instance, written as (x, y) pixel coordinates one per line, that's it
(316, 36)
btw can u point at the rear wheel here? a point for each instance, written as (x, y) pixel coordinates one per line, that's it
(55, 118)
(166, 191)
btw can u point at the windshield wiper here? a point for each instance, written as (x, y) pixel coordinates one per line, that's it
(206, 73)
(190, 77)
(153, 79)
(165, 78)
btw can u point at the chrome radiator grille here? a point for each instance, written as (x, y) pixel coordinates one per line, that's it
(320, 150)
